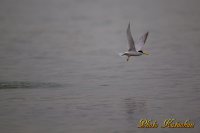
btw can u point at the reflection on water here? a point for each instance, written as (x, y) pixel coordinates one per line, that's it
(135, 110)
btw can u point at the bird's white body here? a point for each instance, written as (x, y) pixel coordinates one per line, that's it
(134, 49)
(132, 53)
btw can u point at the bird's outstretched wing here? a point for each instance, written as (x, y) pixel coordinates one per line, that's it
(140, 43)
(130, 39)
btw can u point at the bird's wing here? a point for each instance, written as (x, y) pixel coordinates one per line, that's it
(140, 43)
(130, 39)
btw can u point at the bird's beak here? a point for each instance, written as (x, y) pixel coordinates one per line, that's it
(145, 53)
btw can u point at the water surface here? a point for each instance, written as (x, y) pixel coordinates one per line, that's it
(60, 72)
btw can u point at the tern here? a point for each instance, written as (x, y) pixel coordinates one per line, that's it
(135, 49)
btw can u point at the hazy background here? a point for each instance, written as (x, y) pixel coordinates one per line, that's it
(60, 72)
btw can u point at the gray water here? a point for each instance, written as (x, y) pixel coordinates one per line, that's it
(60, 72)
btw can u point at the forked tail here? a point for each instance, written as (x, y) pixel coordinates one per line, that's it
(121, 54)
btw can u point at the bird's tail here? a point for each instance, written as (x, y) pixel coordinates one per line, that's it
(120, 54)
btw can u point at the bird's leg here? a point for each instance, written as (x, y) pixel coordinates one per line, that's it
(127, 58)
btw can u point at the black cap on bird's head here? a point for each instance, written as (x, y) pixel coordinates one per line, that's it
(140, 51)
(143, 52)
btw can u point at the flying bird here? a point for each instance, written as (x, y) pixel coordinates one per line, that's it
(135, 49)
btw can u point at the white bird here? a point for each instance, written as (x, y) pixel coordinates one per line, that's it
(134, 49)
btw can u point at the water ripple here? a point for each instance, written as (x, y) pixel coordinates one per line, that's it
(27, 85)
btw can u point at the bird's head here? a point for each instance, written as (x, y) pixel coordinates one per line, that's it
(140, 51)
